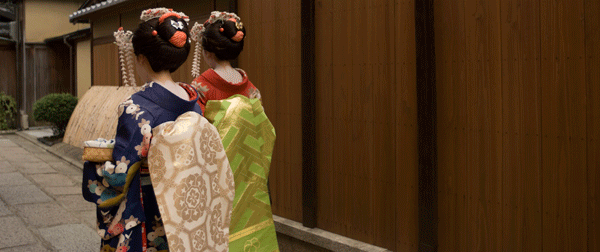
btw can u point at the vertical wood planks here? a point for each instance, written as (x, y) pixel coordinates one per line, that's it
(405, 124)
(511, 81)
(460, 113)
(450, 54)
(484, 119)
(342, 134)
(271, 58)
(106, 65)
(592, 73)
(358, 73)
(360, 105)
(9, 81)
(522, 220)
(379, 170)
(452, 125)
(563, 126)
(30, 81)
(542, 167)
(47, 73)
(290, 101)
(355, 114)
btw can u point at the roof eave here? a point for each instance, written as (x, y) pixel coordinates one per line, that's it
(83, 33)
(83, 15)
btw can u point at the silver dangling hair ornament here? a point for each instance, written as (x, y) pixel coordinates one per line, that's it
(126, 56)
(196, 34)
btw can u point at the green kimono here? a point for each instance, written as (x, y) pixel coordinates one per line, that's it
(248, 138)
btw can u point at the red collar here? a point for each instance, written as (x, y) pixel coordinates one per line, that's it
(215, 80)
(193, 95)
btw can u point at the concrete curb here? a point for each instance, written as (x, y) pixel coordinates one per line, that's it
(8, 132)
(51, 149)
(322, 238)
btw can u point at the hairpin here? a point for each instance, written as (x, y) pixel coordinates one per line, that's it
(126, 55)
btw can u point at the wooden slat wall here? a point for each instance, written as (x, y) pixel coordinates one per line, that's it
(106, 65)
(564, 190)
(518, 124)
(47, 72)
(105, 26)
(405, 126)
(343, 165)
(451, 54)
(366, 121)
(9, 81)
(271, 58)
(366, 109)
(484, 141)
(521, 111)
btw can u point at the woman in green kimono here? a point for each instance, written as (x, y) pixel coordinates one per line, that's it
(232, 103)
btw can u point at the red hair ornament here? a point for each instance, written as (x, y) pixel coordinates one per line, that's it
(238, 36)
(179, 39)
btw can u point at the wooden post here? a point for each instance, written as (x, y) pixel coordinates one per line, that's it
(426, 119)
(309, 159)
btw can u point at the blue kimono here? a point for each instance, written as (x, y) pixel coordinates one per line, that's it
(127, 212)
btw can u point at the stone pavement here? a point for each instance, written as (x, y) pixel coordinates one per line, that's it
(41, 207)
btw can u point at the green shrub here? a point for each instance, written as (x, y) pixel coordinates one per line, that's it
(55, 109)
(8, 111)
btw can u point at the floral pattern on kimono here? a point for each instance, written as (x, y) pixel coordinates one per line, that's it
(123, 202)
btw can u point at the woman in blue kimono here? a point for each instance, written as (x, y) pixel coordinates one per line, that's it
(127, 211)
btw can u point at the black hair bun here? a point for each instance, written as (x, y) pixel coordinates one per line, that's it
(174, 29)
(165, 42)
(230, 29)
(224, 38)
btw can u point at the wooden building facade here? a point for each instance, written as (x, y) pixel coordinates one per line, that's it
(39, 60)
(516, 113)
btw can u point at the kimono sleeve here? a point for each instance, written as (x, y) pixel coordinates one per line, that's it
(132, 141)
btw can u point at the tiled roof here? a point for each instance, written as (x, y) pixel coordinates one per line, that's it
(92, 8)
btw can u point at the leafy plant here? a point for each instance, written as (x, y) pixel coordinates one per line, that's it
(55, 109)
(8, 111)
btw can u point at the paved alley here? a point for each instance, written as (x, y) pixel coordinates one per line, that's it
(41, 207)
